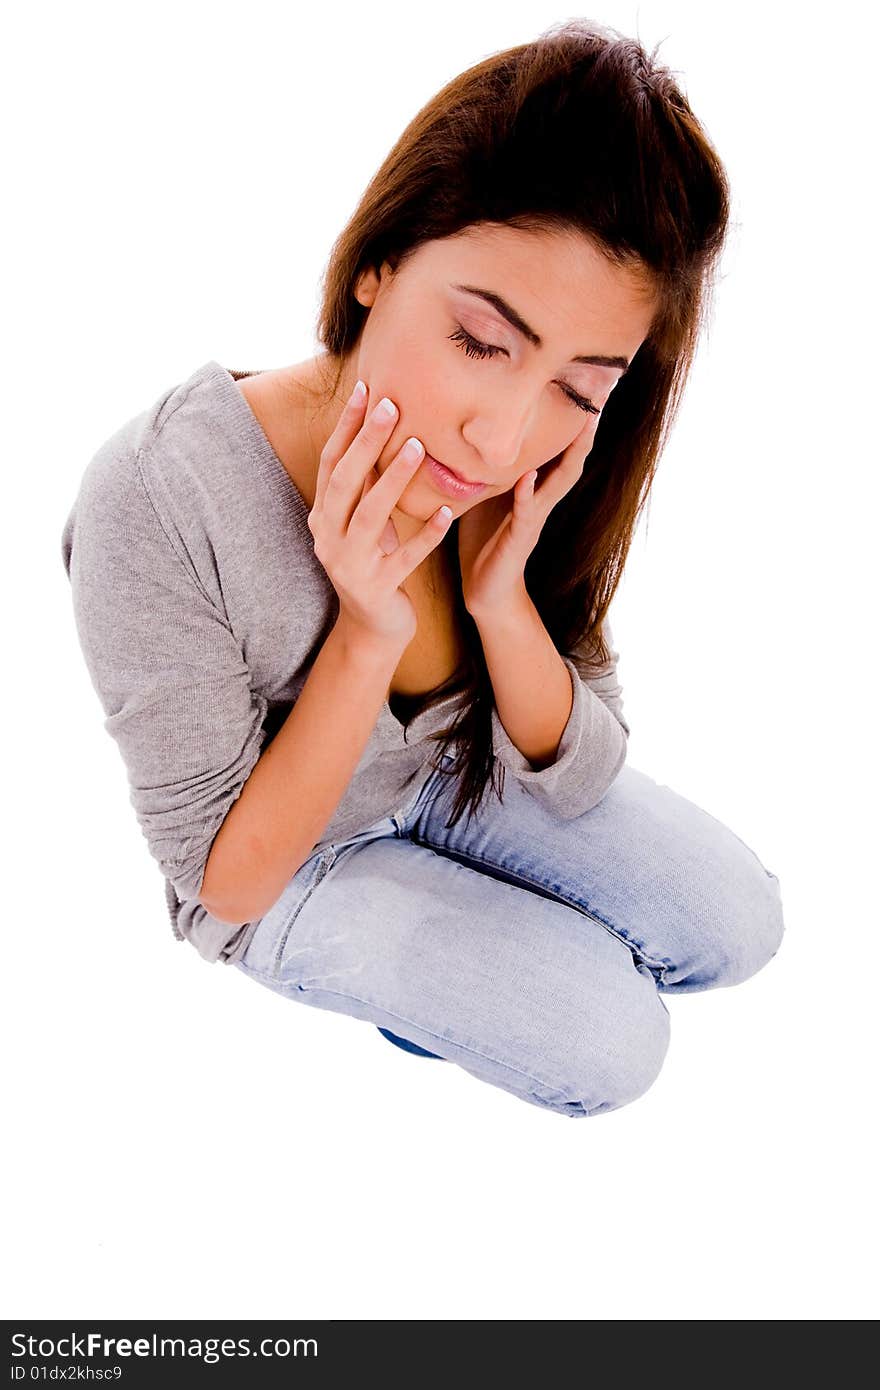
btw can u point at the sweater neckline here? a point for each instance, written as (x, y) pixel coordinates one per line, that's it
(254, 437)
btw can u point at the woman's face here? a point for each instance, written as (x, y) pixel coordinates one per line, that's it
(490, 418)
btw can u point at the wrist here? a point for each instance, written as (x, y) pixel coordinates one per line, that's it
(509, 610)
(369, 649)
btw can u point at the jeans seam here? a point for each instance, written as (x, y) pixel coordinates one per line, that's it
(422, 796)
(496, 1061)
(661, 965)
(328, 857)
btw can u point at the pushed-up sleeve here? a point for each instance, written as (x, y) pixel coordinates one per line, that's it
(166, 666)
(592, 749)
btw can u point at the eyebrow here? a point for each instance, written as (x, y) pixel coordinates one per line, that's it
(516, 321)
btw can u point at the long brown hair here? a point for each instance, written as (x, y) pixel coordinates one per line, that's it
(580, 130)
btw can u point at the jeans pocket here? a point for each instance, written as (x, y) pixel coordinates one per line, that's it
(265, 951)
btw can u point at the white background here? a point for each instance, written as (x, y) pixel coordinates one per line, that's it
(182, 1143)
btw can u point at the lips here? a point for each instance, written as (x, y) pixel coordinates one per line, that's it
(452, 484)
(469, 482)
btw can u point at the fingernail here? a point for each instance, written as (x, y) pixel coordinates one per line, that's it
(359, 393)
(385, 409)
(412, 449)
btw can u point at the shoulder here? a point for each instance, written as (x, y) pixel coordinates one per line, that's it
(127, 493)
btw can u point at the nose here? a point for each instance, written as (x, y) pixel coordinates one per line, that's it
(497, 436)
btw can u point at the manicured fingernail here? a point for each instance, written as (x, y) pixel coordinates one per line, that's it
(359, 393)
(385, 409)
(412, 450)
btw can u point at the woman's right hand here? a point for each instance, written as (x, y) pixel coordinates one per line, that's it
(351, 515)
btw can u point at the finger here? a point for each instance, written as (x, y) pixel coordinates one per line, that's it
(343, 434)
(405, 558)
(389, 540)
(560, 475)
(524, 494)
(369, 480)
(345, 483)
(372, 513)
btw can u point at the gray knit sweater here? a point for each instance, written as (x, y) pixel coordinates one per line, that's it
(200, 607)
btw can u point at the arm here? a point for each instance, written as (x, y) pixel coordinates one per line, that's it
(294, 789)
(532, 685)
(566, 745)
(179, 702)
(566, 751)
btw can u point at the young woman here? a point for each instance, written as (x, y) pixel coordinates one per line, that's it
(348, 618)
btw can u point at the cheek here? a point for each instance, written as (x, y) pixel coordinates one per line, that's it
(417, 387)
(410, 348)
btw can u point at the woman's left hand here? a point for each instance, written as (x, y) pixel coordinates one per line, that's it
(495, 539)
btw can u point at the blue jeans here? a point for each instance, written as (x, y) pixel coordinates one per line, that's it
(531, 951)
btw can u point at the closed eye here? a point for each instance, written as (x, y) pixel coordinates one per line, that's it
(474, 348)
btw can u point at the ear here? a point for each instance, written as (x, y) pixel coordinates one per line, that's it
(366, 287)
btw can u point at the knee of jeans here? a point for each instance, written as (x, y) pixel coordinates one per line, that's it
(773, 925)
(752, 936)
(630, 1060)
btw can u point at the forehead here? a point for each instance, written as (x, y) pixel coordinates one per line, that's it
(559, 282)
